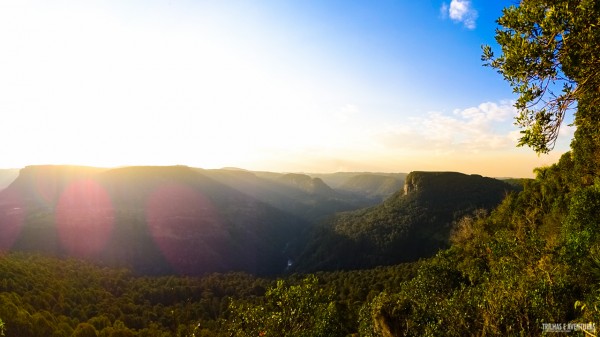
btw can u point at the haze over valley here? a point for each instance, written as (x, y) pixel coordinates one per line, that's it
(191, 221)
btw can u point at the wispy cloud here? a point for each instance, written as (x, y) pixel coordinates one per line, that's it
(444, 10)
(460, 11)
(471, 130)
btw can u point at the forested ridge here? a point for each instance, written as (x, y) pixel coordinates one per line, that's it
(413, 223)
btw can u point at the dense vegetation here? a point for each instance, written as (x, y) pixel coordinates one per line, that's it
(41, 296)
(533, 260)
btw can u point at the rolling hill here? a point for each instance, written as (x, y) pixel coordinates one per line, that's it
(155, 220)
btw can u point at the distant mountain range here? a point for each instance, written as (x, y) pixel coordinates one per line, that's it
(298, 194)
(177, 219)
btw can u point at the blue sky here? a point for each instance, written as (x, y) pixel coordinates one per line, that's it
(313, 86)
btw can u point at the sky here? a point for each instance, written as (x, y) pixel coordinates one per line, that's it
(276, 85)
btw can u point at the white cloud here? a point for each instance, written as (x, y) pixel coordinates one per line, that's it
(471, 130)
(460, 11)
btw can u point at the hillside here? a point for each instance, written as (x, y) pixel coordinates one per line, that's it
(154, 220)
(7, 176)
(413, 223)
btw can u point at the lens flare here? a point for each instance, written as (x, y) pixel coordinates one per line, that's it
(186, 228)
(84, 218)
(12, 214)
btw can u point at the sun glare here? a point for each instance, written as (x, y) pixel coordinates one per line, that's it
(84, 218)
(207, 85)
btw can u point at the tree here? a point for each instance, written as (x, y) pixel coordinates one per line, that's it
(298, 310)
(85, 330)
(550, 58)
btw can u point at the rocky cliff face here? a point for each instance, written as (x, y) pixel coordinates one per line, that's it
(410, 184)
